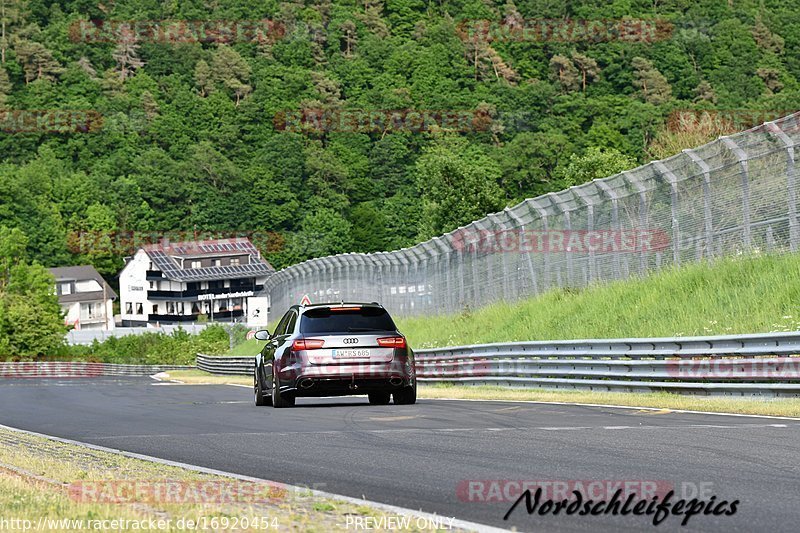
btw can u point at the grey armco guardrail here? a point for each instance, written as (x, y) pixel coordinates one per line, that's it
(226, 365)
(78, 369)
(757, 364)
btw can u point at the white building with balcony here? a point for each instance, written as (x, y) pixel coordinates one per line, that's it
(85, 297)
(214, 280)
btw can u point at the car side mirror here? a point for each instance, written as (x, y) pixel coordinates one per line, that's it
(263, 335)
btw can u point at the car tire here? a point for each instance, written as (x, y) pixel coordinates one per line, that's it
(260, 399)
(280, 400)
(406, 396)
(379, 398)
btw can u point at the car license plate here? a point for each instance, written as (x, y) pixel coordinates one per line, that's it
(350, 352)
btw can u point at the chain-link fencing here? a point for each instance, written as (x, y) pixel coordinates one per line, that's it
(736, 195)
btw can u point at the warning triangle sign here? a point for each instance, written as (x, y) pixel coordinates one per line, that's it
(305, 300)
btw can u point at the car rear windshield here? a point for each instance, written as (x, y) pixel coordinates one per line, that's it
(345, 320)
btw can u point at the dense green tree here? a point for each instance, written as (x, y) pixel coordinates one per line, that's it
(458, 184)
(247, 136)
(31, 320)
(596, 163)
(653, 86)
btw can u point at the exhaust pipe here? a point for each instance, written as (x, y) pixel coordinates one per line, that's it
(306, 383)
(395, 381)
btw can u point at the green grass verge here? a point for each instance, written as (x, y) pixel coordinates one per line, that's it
(42, 481)
(661, 400)
(248, 347)
(736, 295)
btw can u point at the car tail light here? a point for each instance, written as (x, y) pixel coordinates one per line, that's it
(335, 309)
(392, 342)
(307, 344)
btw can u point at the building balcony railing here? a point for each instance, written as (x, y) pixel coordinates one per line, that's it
(191, 295)
(218, 315)
(154, 275)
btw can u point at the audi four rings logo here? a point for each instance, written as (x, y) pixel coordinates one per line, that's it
(351, 340)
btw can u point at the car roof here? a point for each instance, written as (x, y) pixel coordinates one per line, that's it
(338, 304)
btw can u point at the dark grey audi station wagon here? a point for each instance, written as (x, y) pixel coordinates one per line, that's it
(335, 350)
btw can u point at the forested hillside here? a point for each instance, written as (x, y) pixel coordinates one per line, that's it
(193, 138)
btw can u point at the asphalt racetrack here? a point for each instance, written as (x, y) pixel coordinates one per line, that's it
(443, 457)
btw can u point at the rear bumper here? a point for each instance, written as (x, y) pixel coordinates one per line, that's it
(339, 380)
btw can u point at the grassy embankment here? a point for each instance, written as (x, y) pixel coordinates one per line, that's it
(50, 483)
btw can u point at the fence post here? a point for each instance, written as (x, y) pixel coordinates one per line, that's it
(559, 203)
(522, 230)
(642, 190)
(585, 197)
(445, 271)
(741, 155)
(662, 169)
(503, 253)
(791, 176)
(707, 217)
(615, 221)
(542, 212)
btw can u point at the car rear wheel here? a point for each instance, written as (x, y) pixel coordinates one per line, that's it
(406, 396)
(280, 400)
(379, 398)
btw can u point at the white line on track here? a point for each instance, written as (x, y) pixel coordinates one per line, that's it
(454, 430)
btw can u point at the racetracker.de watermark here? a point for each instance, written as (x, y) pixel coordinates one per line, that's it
(566, 30)
(177, 31)
(176, 492)
(178, 242)
(767, 368)
(559, 241)
(382, 121)
(50, 121)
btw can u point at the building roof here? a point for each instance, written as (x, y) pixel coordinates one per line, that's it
(163, 257)
(82, 273)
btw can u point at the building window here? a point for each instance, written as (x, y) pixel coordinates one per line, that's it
(64, 289)
(129, 308)
(196, 264)
(234, 261)
(217, 262)
(170, 308)
(139, 309)
(155, 309)
(152, 285)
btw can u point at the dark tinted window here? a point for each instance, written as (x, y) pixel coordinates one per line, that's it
(327, 320)
(280, 329)
(291, 324)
